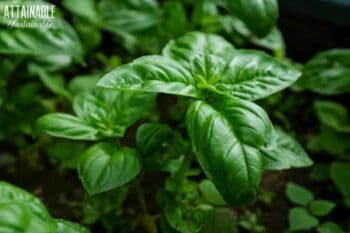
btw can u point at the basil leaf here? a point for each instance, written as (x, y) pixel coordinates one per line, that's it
(54, 82)
(64, 226)
(210, 193)
(10, 193)
(20, 211)
(254, 75)
(193, 44)
(100, 114)
(329, 227)
(330, 141)
(285, 153)
(60, 39)
(333, 115)
(298, 194)
(226, 137)
(150, 137)
(67, 126)
(111, 112)
(301, 219)
(105, 166)
(18, 217)
(151, 74)
(327, 73)
(321, 207)
(85, 9)
(259, 16)
(340, 172)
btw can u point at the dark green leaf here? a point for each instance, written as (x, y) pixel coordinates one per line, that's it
(330, 141)
(226, 137)
(285, 153)
(298, 194)
(151, 136)
(329, 227)
(333, 115)
(340, 173)
(220, 220)
(321, 207)
(259, 16)
(105, 166)
(300, 219)
(328, 73)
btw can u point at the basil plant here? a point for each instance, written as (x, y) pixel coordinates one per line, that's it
(231, 136)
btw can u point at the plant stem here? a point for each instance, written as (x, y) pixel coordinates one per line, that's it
(141, 196)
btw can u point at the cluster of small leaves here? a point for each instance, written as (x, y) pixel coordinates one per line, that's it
(305, 215)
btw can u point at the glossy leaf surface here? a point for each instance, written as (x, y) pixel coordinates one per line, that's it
(199, 61)
(328, 73)
(259, 16)
(105, 166)
(226, 137)
(285, 152)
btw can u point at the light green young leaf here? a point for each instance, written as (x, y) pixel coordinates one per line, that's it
(327, 73)
(226, 137)
(321, 207)
(300, 219)
(259, 16)
(285, 152)
(67, 126)
(64, 226)
(105, 166)
(298, 194)
(329, 227)
(333, 115)
(340, 173)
